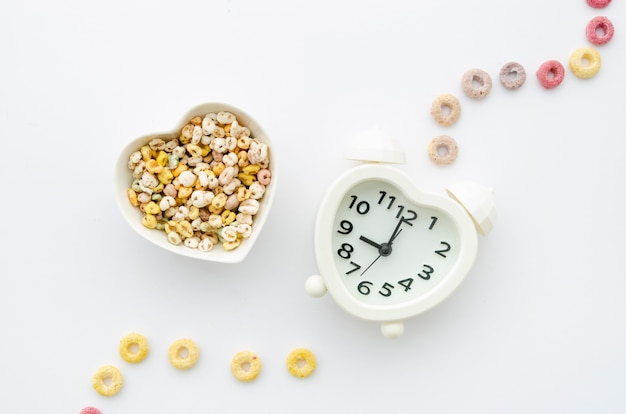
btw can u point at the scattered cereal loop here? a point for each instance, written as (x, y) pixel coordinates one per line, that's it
(107, 380)
(245, 366)
(476, 83)
(590, 68)
(446, 109)
(443, 150)
(551, 74)
(599, 30)
(89, 410)
(183, 353)
(301, 362)
(598, 4)
(512, 75)
(134, 348)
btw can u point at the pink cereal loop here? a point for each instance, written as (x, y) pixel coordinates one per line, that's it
(89, 410)
(603, 24)
(264, 176)
(598, 4)
(551, 74)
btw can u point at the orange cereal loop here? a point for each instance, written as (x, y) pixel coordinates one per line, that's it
(446, 109)
(134, 348)
(443, 150)
(301, 362)
(245, 366)
(107, 380)
(183, 353)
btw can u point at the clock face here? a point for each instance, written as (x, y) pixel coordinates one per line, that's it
(386, 250)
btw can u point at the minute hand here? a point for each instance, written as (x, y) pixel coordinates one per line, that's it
(396, 231)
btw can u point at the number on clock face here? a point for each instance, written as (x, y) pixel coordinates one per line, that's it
(388, 248)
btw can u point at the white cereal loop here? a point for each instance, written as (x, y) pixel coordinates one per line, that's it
(230, 159)
(227, 175)
(192, 242)
(167, 202)
(245, 230)
(225, 117)
(148, 180)
(219, 145)
(249, 206)
(203, 179)
(208, 125)
(244, 218)
(174, 238)
(196, 136)
(229, 233)
(215, 221)
(200, 198)
(231, 143)
(205, 245)
(187, 178)
(257, 190)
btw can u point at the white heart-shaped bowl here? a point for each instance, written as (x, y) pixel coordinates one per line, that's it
(123, 179)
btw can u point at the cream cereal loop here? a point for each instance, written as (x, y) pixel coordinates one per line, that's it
(446, 109)
(133, 347)
(301, 362)
(107, 380)
(183, 353)
(245, 366)
(443, 150)
(599, 30)
(512, 75)
(598, 4)
(550, 74)
(578, 66)
(476, 83)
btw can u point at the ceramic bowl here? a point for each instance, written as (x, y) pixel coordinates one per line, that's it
(123, 180)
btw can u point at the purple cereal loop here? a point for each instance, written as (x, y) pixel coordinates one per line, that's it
(602, 23)
(554, 68)
(512, 75)
(479, 76)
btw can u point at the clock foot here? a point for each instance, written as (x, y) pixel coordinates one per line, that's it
(315, 286)
(393, 329)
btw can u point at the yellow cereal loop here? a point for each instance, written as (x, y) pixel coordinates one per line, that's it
(245, 366)
(183, 353)
(107, 380)
(301, 362)
(134, 348)
(585, 62)
(149, 221)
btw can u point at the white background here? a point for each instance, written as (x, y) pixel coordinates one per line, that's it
(539, 324)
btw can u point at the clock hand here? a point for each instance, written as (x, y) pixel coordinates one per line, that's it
(367, 268)
(396, 231)
(370, 242)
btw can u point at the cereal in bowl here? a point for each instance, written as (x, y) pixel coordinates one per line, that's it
(204, 187)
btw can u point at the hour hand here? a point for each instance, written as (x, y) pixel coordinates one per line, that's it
(370, 242)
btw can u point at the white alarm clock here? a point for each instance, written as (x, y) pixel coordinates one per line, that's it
(385, 249)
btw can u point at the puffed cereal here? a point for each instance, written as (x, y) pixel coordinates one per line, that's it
(183, 353)
(245, 366)
(301, 362)
(107, 380)
(212, 173)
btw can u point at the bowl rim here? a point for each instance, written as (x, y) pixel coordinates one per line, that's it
(122, 178)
